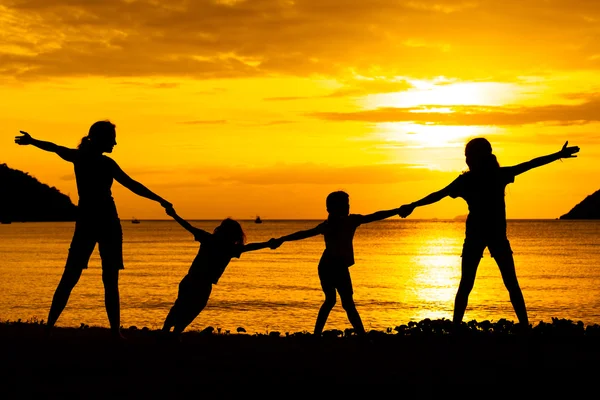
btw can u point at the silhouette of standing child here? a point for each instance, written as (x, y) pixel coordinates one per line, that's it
(216, 251)
(97, 219)
(482, 187)
(338, 231)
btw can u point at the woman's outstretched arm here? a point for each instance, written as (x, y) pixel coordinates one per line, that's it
(65, 153)
(565, 152)
(136, 187)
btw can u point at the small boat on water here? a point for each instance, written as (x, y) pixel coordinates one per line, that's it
(135, 220)
(258, 220)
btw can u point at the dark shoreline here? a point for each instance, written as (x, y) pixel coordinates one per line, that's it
(85, 362)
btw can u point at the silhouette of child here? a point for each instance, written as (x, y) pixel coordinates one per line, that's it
(482, 187)
(338, 231)
(215, 252)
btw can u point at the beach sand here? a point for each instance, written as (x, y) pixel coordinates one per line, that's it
(86, 363)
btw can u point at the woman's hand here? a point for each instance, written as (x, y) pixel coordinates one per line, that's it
(23, 140)
(567, 152)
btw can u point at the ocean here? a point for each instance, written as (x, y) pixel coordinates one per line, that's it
(406, 270)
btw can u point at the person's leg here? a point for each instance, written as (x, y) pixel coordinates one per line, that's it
(110, 279)
(175, 310)
(324, 311)
(344, 287)
(504, 258)
(471, 256)
(328, 287)
(191, 305)
(171, 318)
(80, 250)
(68, 281)
(110, 246)
(186, 317)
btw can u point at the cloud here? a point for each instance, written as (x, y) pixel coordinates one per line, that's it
(562, 114)
(287, 174)
(159, 85)
(320, 174)
(357, 87)
(207, 39)
(205, 122)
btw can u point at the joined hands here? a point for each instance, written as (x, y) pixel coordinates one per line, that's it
(274, 243)
(405, 210)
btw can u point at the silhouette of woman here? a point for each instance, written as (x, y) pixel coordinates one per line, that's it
(482, 187)
(97, 219)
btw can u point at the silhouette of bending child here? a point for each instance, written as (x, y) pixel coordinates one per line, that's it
(97, 220)
(216, 250)
(482, 187)
(338, 231)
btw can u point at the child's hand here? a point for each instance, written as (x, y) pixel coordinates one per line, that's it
(406, 210)
(274, 243)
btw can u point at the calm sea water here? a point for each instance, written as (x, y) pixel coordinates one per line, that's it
(406, 270)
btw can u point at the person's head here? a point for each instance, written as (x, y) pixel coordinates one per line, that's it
(101, 137)
(479, 156)
(338, 204)
(230, 231)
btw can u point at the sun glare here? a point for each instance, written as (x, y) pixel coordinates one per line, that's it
(436, 93)
(438, 96)
(417, 135)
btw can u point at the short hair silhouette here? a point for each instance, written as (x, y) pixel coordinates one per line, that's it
(231, 231)
(338, 203)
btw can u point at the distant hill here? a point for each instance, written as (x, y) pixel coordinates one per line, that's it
(25, 199)
(589, 208)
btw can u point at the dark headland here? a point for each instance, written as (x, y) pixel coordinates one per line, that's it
(25, 199)
(86, 363)
(588, 208)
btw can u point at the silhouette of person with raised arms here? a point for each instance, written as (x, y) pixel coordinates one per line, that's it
(338, 231)
(97, 220)
(482, 187)
(216, 251)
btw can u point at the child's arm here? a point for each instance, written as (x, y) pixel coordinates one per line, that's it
(271, 243)
(301, 234)
(379, 215)
(431, 198)
(565, 152)
(63, 152)
(198, 233)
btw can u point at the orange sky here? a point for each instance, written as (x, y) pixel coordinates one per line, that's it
(238, 108)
